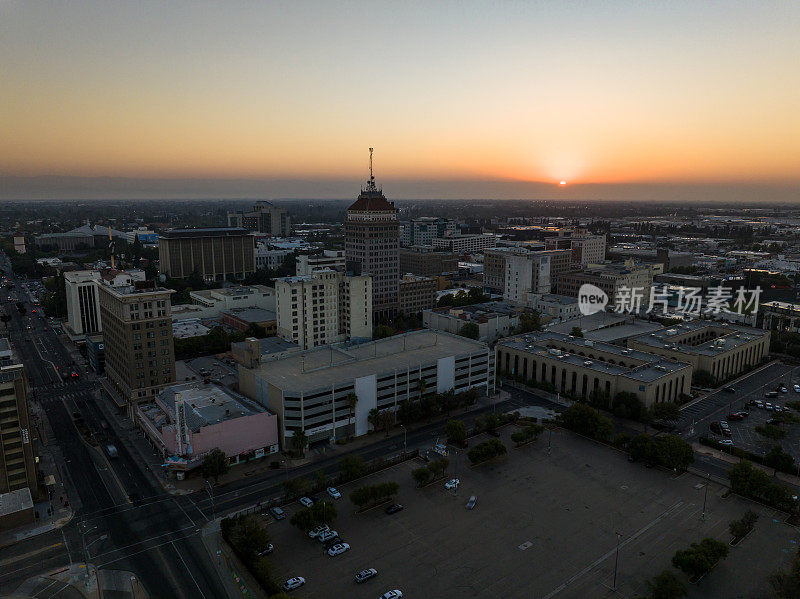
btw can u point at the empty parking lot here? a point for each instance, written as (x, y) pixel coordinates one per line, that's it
(544, 526)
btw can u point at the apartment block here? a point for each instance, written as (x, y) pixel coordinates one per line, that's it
(422, 231)
(137, 338)
(610, 278)
(216, 253)
(525, 264)
(327, 260)
(324, 307)
(465, 244)
(17, 454)
(585, 247)
(83, 306)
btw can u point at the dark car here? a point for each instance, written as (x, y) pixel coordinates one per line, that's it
(331, 542)
(735, 416)
(365, 575)
(277, 513)
(729, 389)
(394, 508)
(493, 433)
(715, 428)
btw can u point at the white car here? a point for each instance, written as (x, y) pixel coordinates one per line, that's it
(395, 594)
(768, 406)
(327, 536)
(318, 530)
(797, 388)
(338, 548)
(452, 483)
(334, 492)
(727, 442)
(784, 390)
(306, 502)
(778, 408)
(293, 583)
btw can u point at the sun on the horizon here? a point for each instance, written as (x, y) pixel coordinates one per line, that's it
(563, 183)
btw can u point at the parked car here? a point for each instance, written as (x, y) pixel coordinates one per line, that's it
(277, 513)
(318, 530)
(727, 442)
(784, 390)
(715, 428)
(759, 404)
(777, 408)
(394, 508)
(392, 595)
(743, 413)
(729, 389)
(797, 388)
(471, 503)
(306, 502)
(293, 583)
(327, 536)
(769, 407)
(338, 548)
(365, 575)
(735, 416)
(334, 492)
(452, 483)
(493, 433)
(267, 550)
(771, 394)
(334, 541)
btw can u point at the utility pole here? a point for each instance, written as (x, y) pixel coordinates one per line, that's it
(705, 497)
(210, 490)
(616, 563)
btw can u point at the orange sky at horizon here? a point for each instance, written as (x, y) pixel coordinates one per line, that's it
(661, 94)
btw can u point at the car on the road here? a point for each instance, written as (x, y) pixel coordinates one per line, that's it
(334, 492)
(730, 389)
(306, 502)
(277, 513)
(784, 390)
(452, 483)
(472, 501)
(293, 583)
(365, 575)
(727, 442)
(111, 450)
(735, 416)
(327, 536)
(394, 508)
(338, 548)
(493, 433)
(395, 594)
(797, 388)
(771, 394)
(318, 530)
(267, 550)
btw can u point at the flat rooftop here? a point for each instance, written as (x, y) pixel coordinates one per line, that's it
(269, 345)
(233, 291)
(252, 314)
(726, 336)
(207, 232)
(336, 364)
(649, 367)
(15, 501)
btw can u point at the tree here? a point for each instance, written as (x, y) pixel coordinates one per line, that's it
(469, 330)
(421, 475)
(299, 441)
(642, 447)
(351, 467)
(323, 512)
(456, 431)
(382, 331)
(771, 431)
(294, 487)
(576, 332)
(5, 318)
(321, 479)
(529, 320)
(195, 280)
(666, 586)
(703, 378)
(628, 405)
(352, 401)
(786, 584)
(673, 452)
(700, 557)
(778, 459)
(585, 420)
(421, 385)
(740, 528)
(665, 411)
(249, 537)
(215, 464)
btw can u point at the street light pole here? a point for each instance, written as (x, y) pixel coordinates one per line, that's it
(210, 490)
(705, 497)
(616, 563)
(405, 437)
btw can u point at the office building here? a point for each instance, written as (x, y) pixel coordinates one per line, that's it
(214, 302)
(324, 307)
(610, 278)
(465, 244)
(188, 420)
(328, 260)
(494, 319)
(265, 217)
(426, 261)
(217, 254)
(96, 353)
(724, 350)
(271, 258)
(416, 294)
(137, 338)
(557, 307)
(422, 231)
(579, 367)
(372, 242)
(780, 316)
(19, 244)
(308, 390)
(526, 265)
(585, 248)
(83, 306)
(17, 454)
(145, 236)
(251, 352)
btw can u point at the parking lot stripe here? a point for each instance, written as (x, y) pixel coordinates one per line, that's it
(611, 552)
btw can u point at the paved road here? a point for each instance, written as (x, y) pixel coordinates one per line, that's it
(156, 539)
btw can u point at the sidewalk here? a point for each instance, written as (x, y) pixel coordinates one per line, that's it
(790, 479)
(236, 581)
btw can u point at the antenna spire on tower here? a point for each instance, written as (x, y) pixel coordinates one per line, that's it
(371, 177)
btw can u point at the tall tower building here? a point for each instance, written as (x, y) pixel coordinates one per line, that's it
(372, 245)
(17, 459)
(137, 337)
(83, 307)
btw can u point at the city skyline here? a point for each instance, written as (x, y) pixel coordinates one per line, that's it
(610, 98)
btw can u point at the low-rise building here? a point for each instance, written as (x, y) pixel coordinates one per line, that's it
(328, 260)
(242, 319)
(423, 230)
(426, 261)
(215, 302)
(251, 352)
(416, 293)
(724, 350)
(579, 367)
(494, 319)
(585, 248)
(188, 327)
(188, 420)
(465, 244)
(610, 327)
(513, 271)
(557, 307)
(309, 390)
(611, 278)
(265, 217)
(780, 316)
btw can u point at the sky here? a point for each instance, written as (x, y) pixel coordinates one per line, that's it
(617, 99)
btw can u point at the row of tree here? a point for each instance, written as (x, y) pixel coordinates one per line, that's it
(529, 433)
(749, 481)
(486, 450)
(323, 512)
(669, 451)
(374, 494)
(435, 469)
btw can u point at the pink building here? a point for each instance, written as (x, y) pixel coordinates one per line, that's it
(214, 417)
